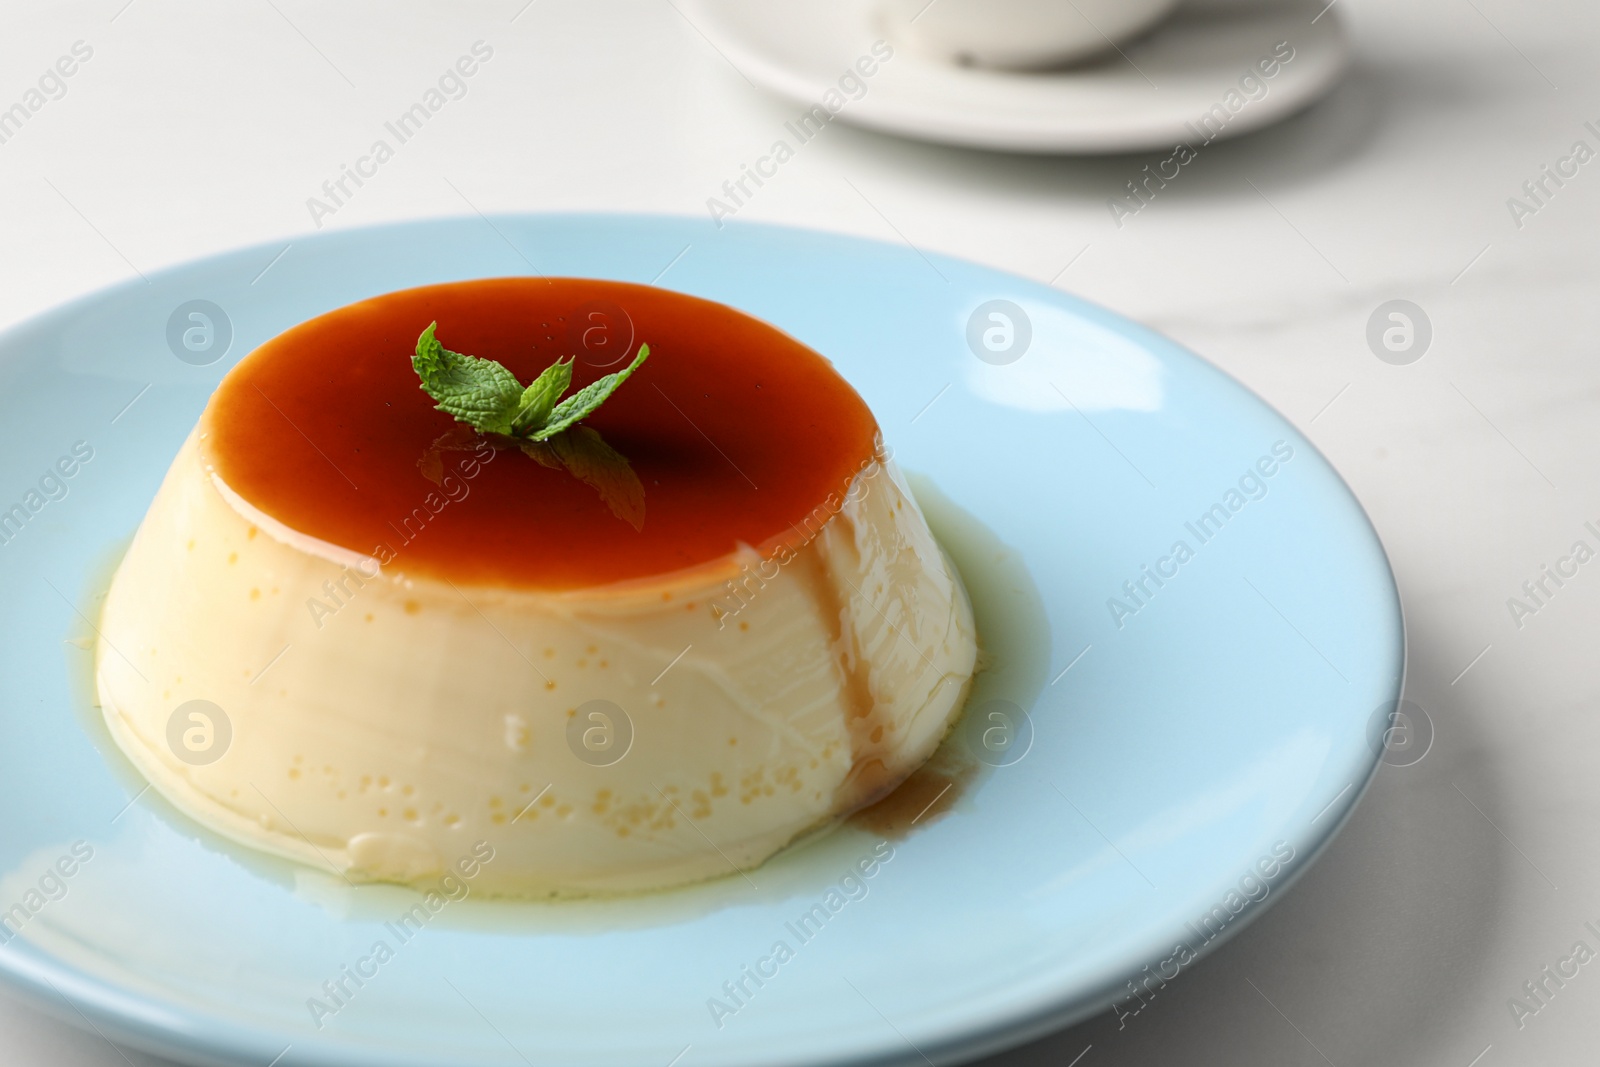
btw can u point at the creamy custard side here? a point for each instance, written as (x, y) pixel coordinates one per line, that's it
(410, 726)
(414, 713)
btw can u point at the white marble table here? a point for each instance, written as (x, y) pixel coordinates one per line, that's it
(195, 128)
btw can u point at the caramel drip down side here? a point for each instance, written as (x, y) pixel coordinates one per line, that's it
(869, 778)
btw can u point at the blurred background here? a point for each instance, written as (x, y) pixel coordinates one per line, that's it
(187, 129)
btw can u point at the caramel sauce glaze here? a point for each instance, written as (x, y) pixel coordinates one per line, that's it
(736, 430)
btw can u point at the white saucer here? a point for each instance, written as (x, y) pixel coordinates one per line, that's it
(1153, 95)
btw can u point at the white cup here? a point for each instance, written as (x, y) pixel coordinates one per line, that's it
(1018, 34)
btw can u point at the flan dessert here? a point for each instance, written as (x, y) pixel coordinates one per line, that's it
(651, 649)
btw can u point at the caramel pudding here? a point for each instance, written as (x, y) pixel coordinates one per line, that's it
(420, 638)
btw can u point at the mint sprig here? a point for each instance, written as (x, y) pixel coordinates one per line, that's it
(486, 396)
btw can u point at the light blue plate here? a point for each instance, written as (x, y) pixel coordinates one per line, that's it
(1211, 734)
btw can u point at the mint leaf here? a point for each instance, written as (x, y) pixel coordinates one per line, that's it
(540, 397)
(486, 396)
(582, 404)
(479, 392)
